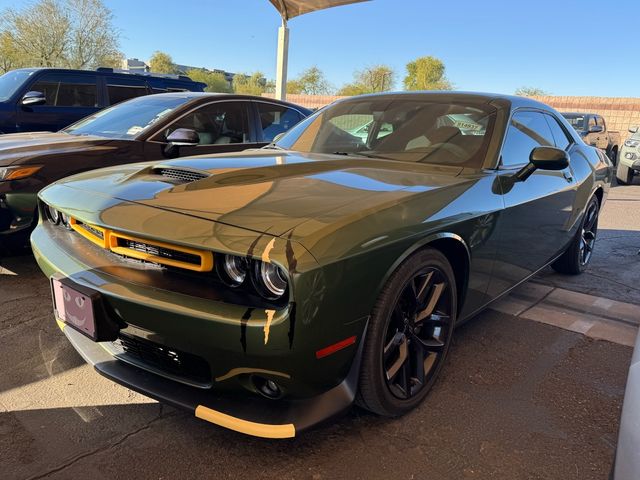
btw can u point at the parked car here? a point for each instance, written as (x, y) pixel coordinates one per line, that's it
(49, 99)
(152, 127)
(593, 130)
(275, 287)
(629, 162)
(627, 461)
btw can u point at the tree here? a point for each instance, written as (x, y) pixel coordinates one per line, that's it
(379, 78)
(531, 92)
(161, 62)
(310, 82)
(93, 39)
(59, 33)
(426, 73)
(10, 57)
(254, 84)
(216, 81)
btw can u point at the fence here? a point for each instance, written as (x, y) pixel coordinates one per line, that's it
(620, 113)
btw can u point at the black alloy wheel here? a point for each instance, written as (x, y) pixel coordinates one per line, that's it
(409, 334)
(589, 233)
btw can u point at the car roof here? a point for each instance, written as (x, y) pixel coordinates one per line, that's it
(204, 96)
(111, 71)
(496, 99)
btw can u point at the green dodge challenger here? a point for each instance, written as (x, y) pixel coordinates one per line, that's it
(267, 291)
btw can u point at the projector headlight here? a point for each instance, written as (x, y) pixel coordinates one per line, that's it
(631, 143)
(269, 280)
(52, 214)
(233, 270)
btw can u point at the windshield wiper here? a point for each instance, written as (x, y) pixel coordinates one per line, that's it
(366, 155)
(273, 146)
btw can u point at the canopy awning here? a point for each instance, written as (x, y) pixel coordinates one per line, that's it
(293, 8)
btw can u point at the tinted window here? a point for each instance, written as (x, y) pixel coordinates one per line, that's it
(10, 82)
(68, 90)
(276, 119)
(412, 130)
(217, 124)
(120, 90)
(527, 130)
(559, 136)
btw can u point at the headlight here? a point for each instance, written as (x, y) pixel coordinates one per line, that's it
(233, 270)
(16, 173)
(52, 214)
(64, 220)
(631, 143)
(269, 280)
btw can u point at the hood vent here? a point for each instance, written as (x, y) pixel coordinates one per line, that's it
(180, 175)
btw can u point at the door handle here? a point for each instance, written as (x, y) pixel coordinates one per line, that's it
(567, 176)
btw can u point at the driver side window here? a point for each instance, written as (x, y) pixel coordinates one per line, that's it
(219, 123)
(527, 130)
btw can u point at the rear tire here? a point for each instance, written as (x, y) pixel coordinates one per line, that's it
(578, 255)
(624, 174)
(408, 335)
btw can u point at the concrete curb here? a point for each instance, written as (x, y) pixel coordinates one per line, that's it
(596, 317)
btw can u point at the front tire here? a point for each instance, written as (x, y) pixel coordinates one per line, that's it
(577, 257)
(624, 174)
(409, 335)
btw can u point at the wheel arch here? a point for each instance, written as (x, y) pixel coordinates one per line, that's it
(453, 247)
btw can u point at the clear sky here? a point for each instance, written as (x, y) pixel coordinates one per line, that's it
(566, 47)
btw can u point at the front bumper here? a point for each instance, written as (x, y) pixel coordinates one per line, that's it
(251, 415)
(630, 157)
(18, 206)
(235, 347)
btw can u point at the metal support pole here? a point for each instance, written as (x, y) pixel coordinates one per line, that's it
(283, 59)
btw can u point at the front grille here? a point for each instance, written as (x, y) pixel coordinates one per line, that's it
(173, 363)
(93, 231)
(184, 176)
(160, 252)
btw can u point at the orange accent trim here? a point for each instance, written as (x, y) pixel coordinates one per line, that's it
(101, 242)
(264, 430)
(206, 258)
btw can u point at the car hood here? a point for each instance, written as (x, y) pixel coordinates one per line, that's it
(263, 191)
(29, 146)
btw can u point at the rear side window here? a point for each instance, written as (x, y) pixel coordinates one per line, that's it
(601, 122)
(276, 119)
(68, 90)
(559, 135)
(527, 130)
(121, 89)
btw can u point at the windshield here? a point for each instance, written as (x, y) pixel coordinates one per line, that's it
(576, 121)
(397, 129)
(12, 81)
(129, 119)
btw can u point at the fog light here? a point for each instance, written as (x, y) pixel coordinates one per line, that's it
(630, 156)
(266, 387)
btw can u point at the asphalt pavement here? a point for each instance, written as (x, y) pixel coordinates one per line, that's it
(532, 390)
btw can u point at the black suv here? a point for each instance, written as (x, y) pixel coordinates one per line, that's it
(47, 99)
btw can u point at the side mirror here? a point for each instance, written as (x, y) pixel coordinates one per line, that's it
(33, 98)
(180, 137)
(633, 129)
(183, 137)
(595, 129)
(543, 158)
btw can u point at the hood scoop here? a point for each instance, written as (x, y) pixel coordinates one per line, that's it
(180, 175)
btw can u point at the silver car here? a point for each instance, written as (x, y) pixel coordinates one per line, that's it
(629, 160)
